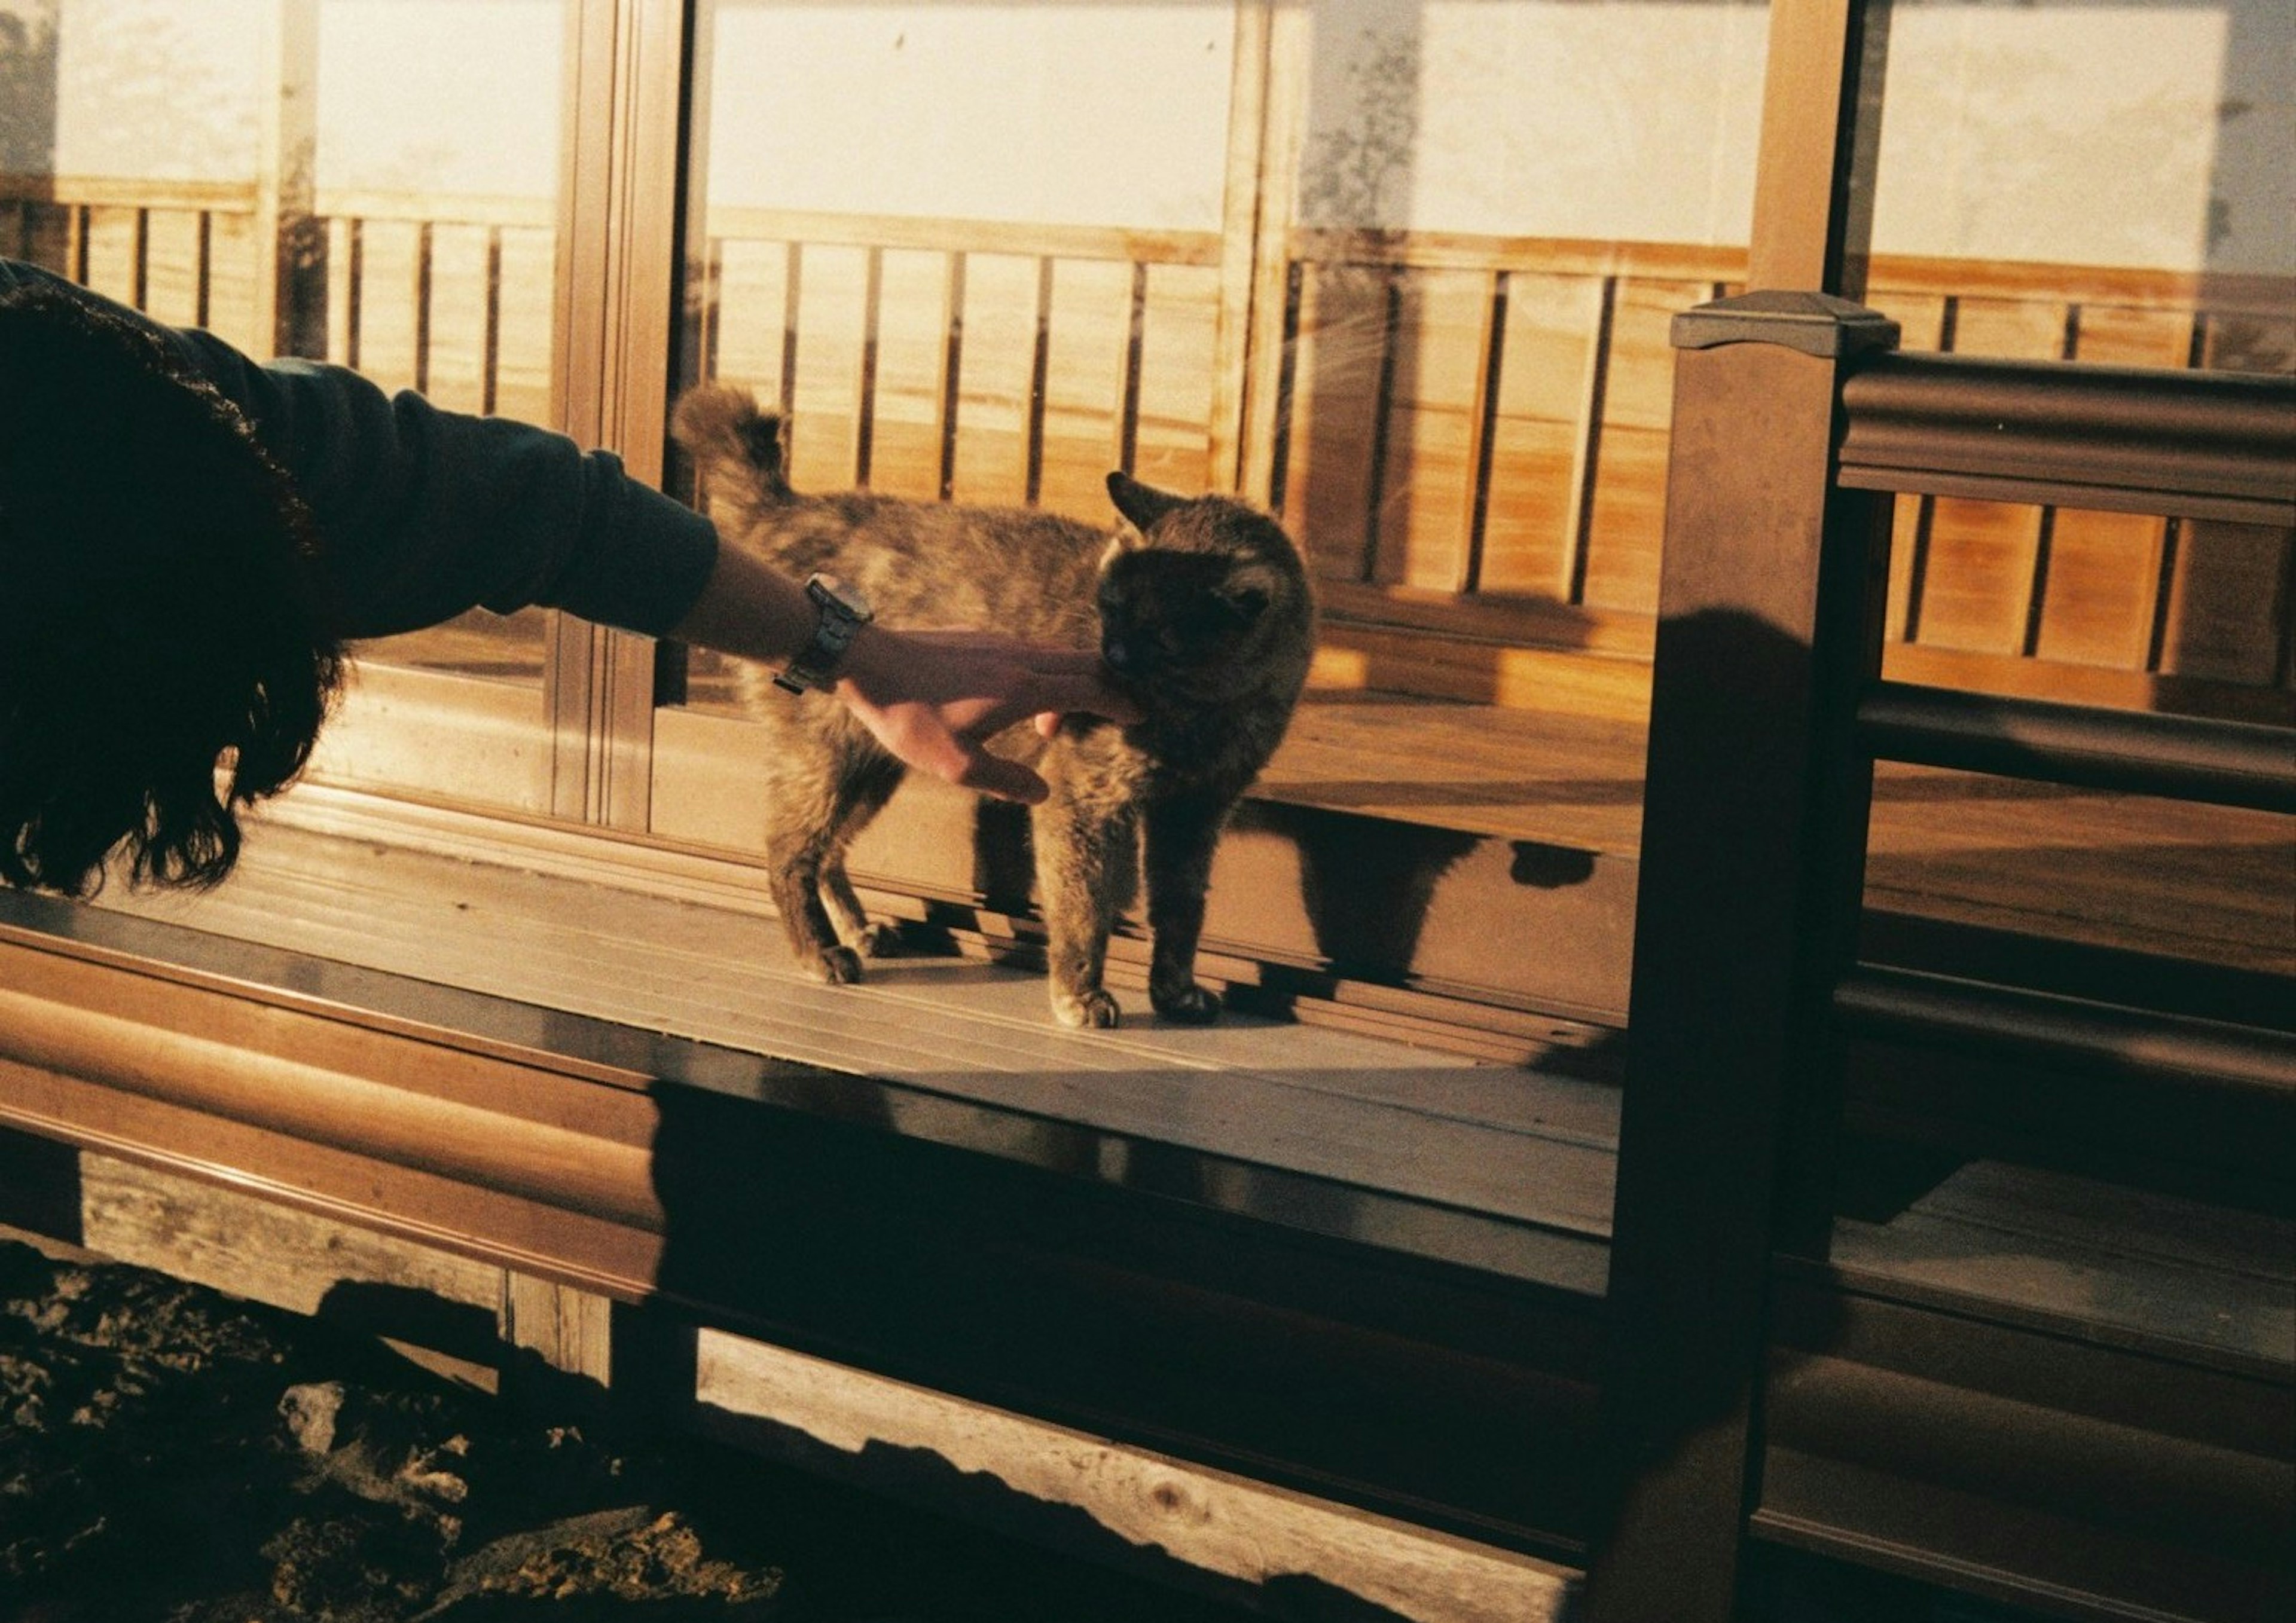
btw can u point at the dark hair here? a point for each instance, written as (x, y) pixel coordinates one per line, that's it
(158, 623)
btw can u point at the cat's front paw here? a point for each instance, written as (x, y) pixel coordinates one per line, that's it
(1089, 1011)
(1188, 1003)
(836, 966)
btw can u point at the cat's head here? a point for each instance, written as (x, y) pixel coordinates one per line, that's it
(1200, 598)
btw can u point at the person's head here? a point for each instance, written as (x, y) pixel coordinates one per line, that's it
(161, 660)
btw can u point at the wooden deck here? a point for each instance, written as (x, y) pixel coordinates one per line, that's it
(1356, 1132)
(2214, 884)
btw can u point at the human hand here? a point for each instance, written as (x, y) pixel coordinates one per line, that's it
(933, 698)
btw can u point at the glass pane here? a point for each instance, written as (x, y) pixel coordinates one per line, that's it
(972, 250)
(2090, 180)
(399, 158)
(1400, 270)
(989, 251)
(1497, 210)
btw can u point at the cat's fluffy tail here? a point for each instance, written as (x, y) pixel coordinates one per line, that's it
(739, 450)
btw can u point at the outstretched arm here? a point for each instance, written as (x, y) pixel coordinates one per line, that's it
(930, 697)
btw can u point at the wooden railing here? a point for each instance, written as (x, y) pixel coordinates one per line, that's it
(965, 360)
(1769, 1038)
(449, 295)
(1474, 433)
(1470, 433)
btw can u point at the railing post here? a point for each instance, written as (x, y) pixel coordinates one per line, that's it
(1753, 830)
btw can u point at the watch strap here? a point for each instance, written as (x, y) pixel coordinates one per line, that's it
(838, 622)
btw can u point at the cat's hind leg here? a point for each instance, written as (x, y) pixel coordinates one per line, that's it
(861, 794)
(801, 844)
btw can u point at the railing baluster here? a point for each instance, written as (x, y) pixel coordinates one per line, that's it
(952, 375)
(1040, 360)
(1135, 335)
(1486, 432)
(490, 337)
(1579, 544)
(422, 286)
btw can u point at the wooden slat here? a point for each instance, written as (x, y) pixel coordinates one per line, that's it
(1331, 453)
(1179, 345)
(832, 324)
(1553, 255)
(174, 267)
(1088, 344)
(2035, 679)
(1214, 1520)
(1938, 277)
(45, 235)
(1539, 442)
(996, 378)
(526, 329)
(1028, 241)
(2098, 605)
(438, 207)
(751, 317)
(109, 245)
(2253, 341)
(1977, 570)
(458, 357)
(1627, 513)
(908, 429)
(129, 191)
(237, 262)
(386, 289)
(2229, 604)
(1430, 437)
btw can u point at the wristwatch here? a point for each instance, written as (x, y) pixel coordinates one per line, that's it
(843, 612)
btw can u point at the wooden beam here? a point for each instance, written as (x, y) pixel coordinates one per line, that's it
(1810, 105)
(1753, 841)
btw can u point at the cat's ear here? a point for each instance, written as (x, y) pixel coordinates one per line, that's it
(1247, 593)
(1142, 505)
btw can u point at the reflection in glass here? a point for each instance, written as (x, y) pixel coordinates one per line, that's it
(2212, 884)
(973, 251)
(2090, 180)
(1400, 269)
(368, 182)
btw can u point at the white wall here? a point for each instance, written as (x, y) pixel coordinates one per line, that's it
(2159, 135)
(441, 95)
(1604, 119)
(158, 89)
(1038, 111)
(2088, 131)
(2092, 132)
(444, 95)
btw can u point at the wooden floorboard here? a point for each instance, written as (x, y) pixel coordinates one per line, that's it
(2087, 1255)
(1503, 1166)
(2212, 884)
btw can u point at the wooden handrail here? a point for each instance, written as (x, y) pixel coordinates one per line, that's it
(2094, 1038)
(130, 192)
(240, 197)
(2221, 763)
(2127, 440)
(824, 228)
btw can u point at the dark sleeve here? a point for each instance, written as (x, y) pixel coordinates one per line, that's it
(423, 513)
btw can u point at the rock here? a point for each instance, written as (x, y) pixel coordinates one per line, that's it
(309, 1411)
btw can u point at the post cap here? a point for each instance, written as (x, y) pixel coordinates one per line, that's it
(1813, 324)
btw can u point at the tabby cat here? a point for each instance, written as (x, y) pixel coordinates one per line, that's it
(1200, 608)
